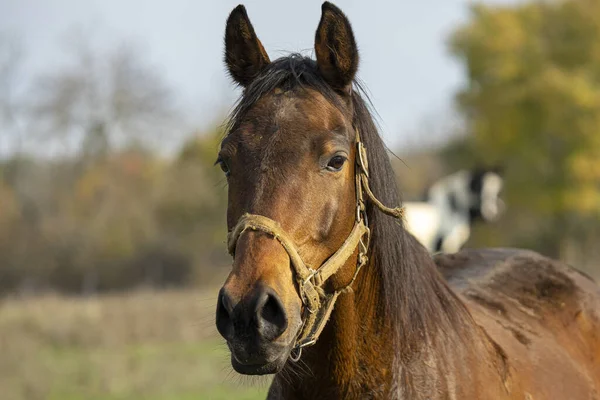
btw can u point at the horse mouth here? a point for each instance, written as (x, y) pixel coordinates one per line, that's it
(257, 369)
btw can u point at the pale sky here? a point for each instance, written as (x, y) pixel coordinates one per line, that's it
(404, 60)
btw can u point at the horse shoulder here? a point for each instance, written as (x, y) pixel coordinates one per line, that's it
(543, 314)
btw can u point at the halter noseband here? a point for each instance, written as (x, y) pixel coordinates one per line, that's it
(318, 304)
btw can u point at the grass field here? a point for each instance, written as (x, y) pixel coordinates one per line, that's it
(141, 345)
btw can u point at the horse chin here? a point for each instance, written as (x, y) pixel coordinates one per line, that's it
(269, 367)
(493, 214)
(490, 215)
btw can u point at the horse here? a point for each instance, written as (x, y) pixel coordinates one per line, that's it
(451, 205)
(328, 292)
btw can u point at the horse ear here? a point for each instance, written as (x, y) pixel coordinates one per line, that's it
(245, 55)
(335, 47)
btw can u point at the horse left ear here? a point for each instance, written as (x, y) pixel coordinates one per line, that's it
(336, 50)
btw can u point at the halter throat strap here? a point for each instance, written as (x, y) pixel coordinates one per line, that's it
(318, 304)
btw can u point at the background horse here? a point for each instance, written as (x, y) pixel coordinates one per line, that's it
(443, 220)
(309, 180)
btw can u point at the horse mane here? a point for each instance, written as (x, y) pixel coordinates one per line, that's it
(414, 299)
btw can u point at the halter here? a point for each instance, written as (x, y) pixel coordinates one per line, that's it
(318, 304)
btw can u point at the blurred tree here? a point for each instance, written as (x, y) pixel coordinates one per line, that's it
(103, 99)
(109, 212)
(532, 101)
(192, 203)
(10, 102)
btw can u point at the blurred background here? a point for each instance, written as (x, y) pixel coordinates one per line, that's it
(112, 215)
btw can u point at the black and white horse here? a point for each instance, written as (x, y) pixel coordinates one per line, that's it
(442, 222)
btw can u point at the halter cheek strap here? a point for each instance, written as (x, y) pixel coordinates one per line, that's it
(318, 304)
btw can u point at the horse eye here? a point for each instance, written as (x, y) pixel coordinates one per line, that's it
(224, 166)
(336, 163)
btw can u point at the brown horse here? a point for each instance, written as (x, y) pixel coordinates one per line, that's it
(307, 210)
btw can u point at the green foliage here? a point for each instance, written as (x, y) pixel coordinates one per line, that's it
(532, 102)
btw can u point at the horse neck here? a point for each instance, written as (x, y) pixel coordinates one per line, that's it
(360, 354)
(352, 343)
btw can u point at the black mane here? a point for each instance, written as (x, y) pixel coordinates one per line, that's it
(414, 298)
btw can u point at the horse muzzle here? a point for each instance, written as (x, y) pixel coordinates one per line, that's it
(255, 330)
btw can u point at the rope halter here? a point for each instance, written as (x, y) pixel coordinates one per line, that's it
(318, 304)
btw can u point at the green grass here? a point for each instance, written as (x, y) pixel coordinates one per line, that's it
(136, 346)
(159, 371)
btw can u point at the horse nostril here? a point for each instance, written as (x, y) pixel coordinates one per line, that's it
(271, 318)
(224, 311)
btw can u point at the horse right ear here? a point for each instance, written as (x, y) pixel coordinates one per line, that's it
(245, 55)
